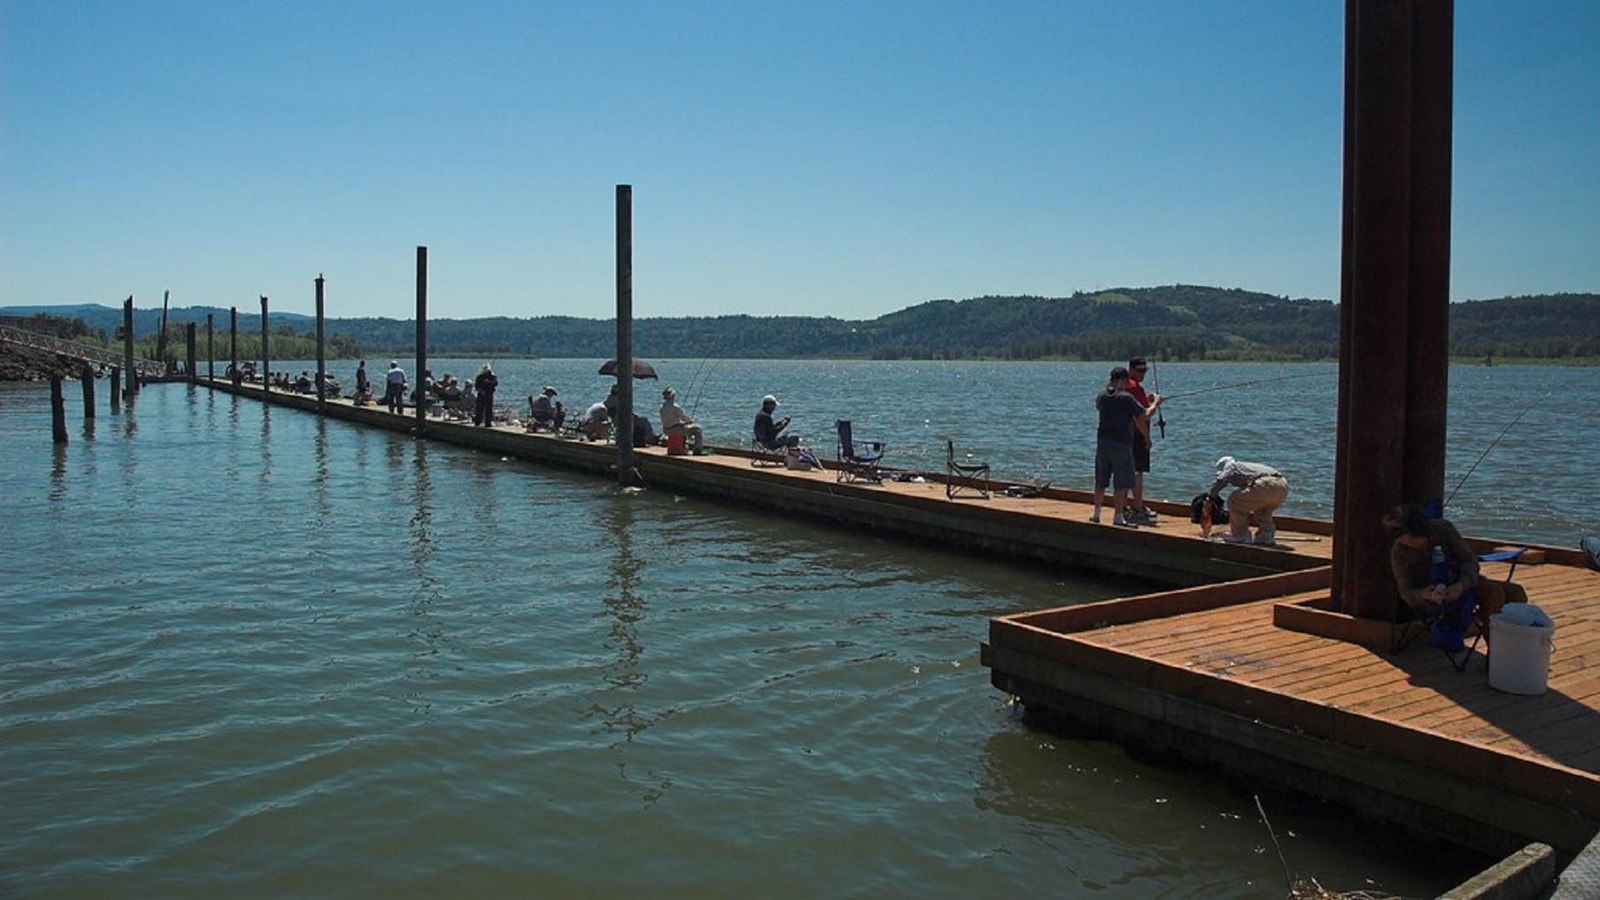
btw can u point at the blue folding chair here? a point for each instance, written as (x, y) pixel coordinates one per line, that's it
(858, 460)
(1478, 614)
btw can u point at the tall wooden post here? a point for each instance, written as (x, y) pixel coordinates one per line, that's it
(116, 393)
(422, 337)
(211, 347)
(58, 411)
(233, 344)
(624, 424)
(266, 357)
(127, 348)
(1393, 307)
(322, 363)
(188, 334)
(86, 376)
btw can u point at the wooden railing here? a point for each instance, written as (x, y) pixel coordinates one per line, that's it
(148, 368)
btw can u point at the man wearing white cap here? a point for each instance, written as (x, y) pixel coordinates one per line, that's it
(1259, 489)
(769, 433)
(394, 395)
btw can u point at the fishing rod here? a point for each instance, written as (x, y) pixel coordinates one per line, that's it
(1229, 387)
(1503, 432)
(1161, 420)
(696, 376)
(700, 393)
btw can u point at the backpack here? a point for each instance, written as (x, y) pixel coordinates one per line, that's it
(1197, 508)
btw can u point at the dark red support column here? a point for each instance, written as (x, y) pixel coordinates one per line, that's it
(1428, 325)
(1394, 284)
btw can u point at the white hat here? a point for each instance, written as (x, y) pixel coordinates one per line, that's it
(1224, 462)
(770, 399)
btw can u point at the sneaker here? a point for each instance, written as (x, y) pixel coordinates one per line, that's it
(1237, 539)
(1144, 512)
(1095, 518)
(1266, 539)
(1123, 523)
(1140, 517)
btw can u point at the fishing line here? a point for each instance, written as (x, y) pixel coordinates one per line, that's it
(1503, 432)
(1229, 387)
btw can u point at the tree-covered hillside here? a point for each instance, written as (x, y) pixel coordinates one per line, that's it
(1174, 322)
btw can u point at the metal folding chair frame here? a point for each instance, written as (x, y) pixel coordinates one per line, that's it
(964, 479)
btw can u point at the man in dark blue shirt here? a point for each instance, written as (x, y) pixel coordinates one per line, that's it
(1113, 453)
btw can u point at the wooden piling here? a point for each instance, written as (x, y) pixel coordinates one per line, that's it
(421, 338)
(211, 347)
(86, 377)
(623, 427)
(188, 334)
(322, 363)
(266, 357)
(116, 395)
(58, 411)
(127, 348)
(233, 344)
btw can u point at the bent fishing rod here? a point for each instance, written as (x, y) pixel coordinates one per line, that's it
(1503, 432)
(1161, 420)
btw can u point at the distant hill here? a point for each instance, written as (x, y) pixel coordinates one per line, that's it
(1175, 321)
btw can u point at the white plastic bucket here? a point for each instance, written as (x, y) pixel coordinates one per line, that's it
(1519, 649)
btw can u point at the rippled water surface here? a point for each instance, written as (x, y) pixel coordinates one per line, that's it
(252, 651)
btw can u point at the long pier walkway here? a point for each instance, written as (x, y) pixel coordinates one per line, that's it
(1237, 667)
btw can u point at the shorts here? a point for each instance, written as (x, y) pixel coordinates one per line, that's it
(1141, 452)
(1113, 465)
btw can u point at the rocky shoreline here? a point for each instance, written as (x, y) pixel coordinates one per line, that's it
(28, 364)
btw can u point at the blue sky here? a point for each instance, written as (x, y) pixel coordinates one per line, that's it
(819, 158)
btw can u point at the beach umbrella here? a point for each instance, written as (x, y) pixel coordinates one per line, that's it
(641, 369)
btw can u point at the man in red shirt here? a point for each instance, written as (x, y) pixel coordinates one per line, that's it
(1137, 511)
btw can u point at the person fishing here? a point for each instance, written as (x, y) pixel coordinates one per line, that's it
(1137, 512)
(1435, 573)
(1119, 412)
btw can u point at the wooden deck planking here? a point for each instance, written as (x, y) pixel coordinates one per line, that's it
(1412, 704)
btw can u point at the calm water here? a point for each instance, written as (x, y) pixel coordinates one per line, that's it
(247, 650)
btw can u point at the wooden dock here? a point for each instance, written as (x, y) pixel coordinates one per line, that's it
(1241, 666)
(1052, 528)
(1212, 674)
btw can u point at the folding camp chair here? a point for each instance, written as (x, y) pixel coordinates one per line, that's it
(761, 455)
(964, 478)
(1501, 592)
(858, 460)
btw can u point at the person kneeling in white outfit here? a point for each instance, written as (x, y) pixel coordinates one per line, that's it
(1259, 489)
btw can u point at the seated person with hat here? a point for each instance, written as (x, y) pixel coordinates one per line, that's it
(675, 421)
(768, 433)
(544, 411)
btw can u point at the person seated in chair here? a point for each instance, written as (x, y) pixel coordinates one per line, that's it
(675, 421)
(768, 433)
(1434, 572)
(544, 411)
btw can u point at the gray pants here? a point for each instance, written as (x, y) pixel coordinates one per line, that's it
(1259, 497)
